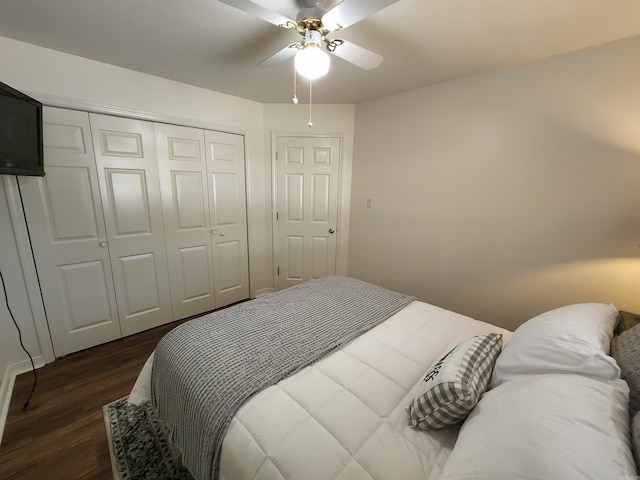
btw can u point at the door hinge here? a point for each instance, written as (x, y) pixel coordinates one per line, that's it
(277, 216)
(278, 271)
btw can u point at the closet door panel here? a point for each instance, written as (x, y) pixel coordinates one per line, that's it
(80, 282)
(227, 198)
(68, 237)
(71, 214)
(142, 295)
(183, 184)
(195, 278)
(129, 203)
(128, 173)
(189, 200)
(229, 259)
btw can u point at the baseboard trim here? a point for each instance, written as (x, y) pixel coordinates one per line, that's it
(263, 292)
(6, 387)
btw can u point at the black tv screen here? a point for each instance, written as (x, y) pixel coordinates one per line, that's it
(21, 150)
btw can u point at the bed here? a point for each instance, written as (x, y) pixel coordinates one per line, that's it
(413, 392)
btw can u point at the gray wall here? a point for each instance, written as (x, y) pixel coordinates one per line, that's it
(505, 194)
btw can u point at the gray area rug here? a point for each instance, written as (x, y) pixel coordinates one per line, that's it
(138, 444)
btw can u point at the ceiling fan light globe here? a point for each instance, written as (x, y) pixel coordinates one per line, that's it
(311, 62)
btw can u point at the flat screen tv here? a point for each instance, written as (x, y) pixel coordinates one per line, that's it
(21, 150)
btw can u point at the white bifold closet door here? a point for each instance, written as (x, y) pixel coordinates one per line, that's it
(185, 203)
(68, 237)
(134, 225)
(202, 179)
(128, 174)
(228, 215)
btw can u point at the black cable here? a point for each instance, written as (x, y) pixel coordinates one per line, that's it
(35, 376)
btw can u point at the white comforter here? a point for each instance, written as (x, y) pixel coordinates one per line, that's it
(344, 417)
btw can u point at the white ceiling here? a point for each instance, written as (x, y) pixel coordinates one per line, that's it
(212, 45)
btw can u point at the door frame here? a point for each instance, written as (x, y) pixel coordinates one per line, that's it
(344, 197)
(28, 264)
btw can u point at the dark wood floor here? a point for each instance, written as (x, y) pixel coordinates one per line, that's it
(61, 435)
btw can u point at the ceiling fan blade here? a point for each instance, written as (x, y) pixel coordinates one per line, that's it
(259, 11)
(349, 12)
(280, 56)
(357, 55)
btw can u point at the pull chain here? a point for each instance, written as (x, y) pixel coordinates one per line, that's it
(310, 124)
(295, 87)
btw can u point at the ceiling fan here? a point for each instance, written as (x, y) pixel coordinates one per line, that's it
(314, 22)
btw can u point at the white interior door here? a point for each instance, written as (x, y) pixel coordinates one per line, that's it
(128, 174)
(228, 210)
(307, 181)
(185, 205)
(66, 226)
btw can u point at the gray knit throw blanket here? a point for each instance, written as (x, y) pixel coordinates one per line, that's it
(205, 369)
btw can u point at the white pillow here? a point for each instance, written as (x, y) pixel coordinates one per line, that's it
(546, 427)
(625, 349)
(571, 339)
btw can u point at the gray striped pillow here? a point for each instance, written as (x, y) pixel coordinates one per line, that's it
(453, 386)
(625, 349)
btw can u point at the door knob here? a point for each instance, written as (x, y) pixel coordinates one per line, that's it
(332, 230)
(103, 244)
(222, 234)
(213, 232)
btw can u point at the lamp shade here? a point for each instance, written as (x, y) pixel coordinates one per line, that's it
(311, 62)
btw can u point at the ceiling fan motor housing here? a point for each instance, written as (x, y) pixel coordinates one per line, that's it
(311, 9)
